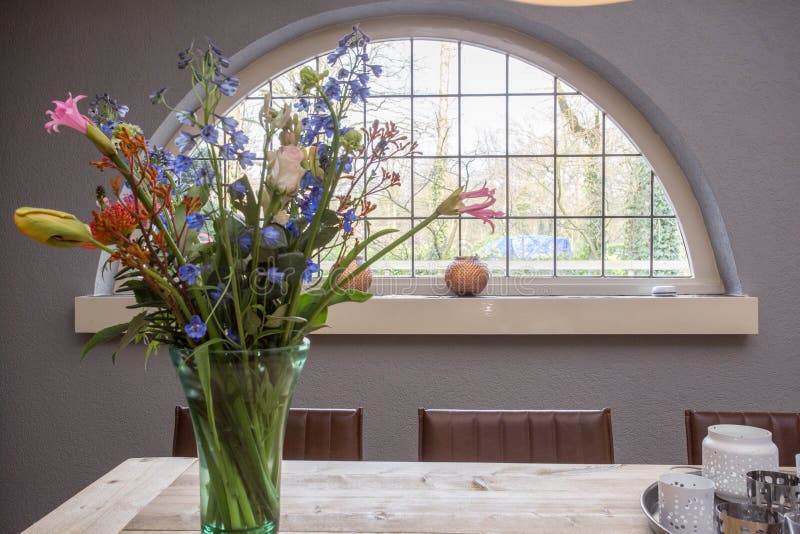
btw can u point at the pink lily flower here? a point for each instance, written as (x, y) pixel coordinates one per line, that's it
(481, 209)
(66, 114)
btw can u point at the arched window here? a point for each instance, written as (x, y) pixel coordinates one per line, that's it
(588, 212)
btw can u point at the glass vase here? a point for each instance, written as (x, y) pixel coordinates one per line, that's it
(239, 402)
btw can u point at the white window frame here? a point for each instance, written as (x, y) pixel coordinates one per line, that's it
(705, 278)
(599, 305)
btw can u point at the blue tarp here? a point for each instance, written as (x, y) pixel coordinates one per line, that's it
(525, 247)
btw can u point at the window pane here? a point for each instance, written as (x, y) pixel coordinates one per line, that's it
(435, 246)
(394, 109)
(435, 67)
(578, 247)
(564, 87)
(395, 201)
(579, 126)
(398, 261)
(530, 182)
(247, 114)
(436, 125)
(661, 202)
(669, 253)
(395, 58)
(578, 186)
(478, 240)
(525, 78)
(482, 71)
(627, 247)
(627, 186)
(616, 141)
(530, 125)
(483, 125)
(434, 181)
(530, 247)
(475, 172)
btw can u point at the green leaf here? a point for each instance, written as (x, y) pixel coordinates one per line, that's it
(349, 295)
(104, 335)
(319, 322)
(134, 327)
(252, 321)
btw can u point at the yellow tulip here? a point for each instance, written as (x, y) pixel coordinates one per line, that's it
(52, 228)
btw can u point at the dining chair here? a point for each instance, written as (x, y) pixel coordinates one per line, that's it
(523, 436)
(785, 428)
(311, 434)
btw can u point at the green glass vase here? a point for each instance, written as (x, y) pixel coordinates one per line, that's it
(239, 402)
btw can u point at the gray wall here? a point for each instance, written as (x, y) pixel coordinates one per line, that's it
(719, 79)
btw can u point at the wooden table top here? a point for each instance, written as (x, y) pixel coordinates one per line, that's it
(161, 495)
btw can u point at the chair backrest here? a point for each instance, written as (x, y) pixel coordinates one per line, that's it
(524, 436)
(311, 434)
(785, 428)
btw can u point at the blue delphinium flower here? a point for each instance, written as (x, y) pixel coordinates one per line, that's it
(309, 180)
(228, 85)
(270, 236)
(238, 189)
(245, 159)
(189, 273)
(196, 328)
(309, 202)
(239, 139)
(348, 218)
(185, 142)
(107, 127)
(345, 163)
(232, 335)
(246, 242)
(229, 124)
(332, 89)
(195, 221)
(358, 90)
(157, 95)
(209, 134)
(185, 57)
(204, 176)
(291, 226)
(182, 163)
(377, 70)
(311, 269)
(275, 276)
(185, 117)
(302, 105)
(343, 73)
(217, 294)
(334, 56)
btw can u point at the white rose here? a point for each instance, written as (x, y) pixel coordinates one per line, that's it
(286, 171)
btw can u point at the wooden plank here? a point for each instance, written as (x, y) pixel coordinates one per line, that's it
(440, 498)
(108, 504)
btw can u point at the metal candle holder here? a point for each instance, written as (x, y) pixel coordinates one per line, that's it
(734, 518)
(774, 489)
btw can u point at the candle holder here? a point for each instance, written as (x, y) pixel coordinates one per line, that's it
(730, 451)
(734, 518)
(773, 489)
(686, 504)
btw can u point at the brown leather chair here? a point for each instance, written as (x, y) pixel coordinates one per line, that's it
(310, 434)
(785, 428)
(516, 436)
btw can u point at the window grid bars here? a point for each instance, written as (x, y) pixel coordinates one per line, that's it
(507, 156)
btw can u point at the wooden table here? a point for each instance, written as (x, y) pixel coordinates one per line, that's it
(150, 495)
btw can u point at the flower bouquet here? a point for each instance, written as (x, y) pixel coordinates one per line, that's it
(224, 262)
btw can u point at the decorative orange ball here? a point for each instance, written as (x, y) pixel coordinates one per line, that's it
(361, 281)
(466, 275)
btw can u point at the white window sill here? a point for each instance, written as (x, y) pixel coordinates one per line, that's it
(501, 315)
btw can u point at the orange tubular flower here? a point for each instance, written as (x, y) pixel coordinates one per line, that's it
(116, 221)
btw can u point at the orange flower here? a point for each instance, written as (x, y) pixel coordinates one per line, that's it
(114, 222)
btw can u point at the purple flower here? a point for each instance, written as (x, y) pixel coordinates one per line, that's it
(311, 269)
(185, 117)
(227, 151)
(238, 189)
(292, 227)
(377, 70)
(189, 273)
(217, 294)
(239, 139)
(270, 236)
(185, 142)
(195, 221)
(157, 95)
(334, 56)
(228, 85)
(343, 73)
(185, 57)
(348, 218)
(302, 105)
(229, 124)
(360, 92)
(182, 164)
(209, 134)
(332, 89)
(246, 242)
(309, 180)
(232, 335)
(204, 176)
(196, 328)
(274, 275)
(245, 159)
